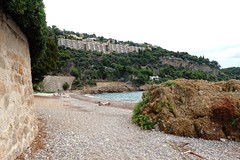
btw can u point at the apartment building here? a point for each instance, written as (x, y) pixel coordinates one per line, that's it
(92, 45)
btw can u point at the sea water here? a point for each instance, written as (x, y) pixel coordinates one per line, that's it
(124, 96)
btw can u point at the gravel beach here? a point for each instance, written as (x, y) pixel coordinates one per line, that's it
(77, 128)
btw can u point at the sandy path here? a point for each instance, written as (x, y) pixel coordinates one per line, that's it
(77, 128)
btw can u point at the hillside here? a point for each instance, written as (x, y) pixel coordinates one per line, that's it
(88, 65)
(232, 72)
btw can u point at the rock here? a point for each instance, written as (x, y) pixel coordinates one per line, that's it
(112, 87)
(182, 126)
(196, 108)
(103, 103)
(200, 93)
(223, 140)
(156, 127)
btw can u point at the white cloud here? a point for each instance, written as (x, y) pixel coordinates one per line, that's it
(227, 56)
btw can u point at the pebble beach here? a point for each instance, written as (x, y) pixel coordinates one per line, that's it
(78, 128)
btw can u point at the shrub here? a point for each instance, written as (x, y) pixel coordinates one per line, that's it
(159, 108)
(166, 103)
(137, 111)
(75, 72)
(91, 83)
(65, 86)
(235, 122)
(169, 83)
(38, 87)
(77, 84)
(142, 120)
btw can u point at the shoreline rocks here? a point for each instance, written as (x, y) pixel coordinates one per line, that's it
(196, 108)
(112, 87)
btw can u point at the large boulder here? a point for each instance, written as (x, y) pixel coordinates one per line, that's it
(196, 108)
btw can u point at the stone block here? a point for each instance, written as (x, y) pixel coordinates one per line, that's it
(20, 134)
(6, 101)
(18, 79)
(20, 70)
(3, 75)
(12, 56)
(3, 150)
(27, 120)
(14, 139)
(1, 37)
(2, 89)
(22, 61)
(2, 63)
(16, 123)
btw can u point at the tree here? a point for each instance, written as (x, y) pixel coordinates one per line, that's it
(30, 16)
(46, 62)
(75, 72)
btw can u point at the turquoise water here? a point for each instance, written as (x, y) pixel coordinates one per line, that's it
(124, 96)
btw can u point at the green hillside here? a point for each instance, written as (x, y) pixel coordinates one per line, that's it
(136, 67)
(231, 73)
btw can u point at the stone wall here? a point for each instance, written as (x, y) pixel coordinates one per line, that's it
(18, 125)
(55, 83)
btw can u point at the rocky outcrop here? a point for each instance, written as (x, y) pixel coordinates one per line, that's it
(18, 125)
(178, 62)
(196, 108)
(112, 87)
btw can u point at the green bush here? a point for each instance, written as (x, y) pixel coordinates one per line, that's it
(65, 86)
(166, 103)
(91, 83)
(169, 83)
(75, 72)
(146, 96)
(235, 122)
(159, 108)
(77, 84)
(137, 111)
(38, 87)
(142, 120)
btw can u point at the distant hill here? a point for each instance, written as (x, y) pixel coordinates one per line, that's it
(135, 66)
(231, 73)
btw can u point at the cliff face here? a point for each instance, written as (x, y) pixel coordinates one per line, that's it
(195, 108)
(178, 62)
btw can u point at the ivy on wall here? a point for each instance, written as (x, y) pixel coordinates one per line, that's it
(30, 16)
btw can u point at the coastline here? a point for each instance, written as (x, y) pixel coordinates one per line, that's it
(111, 87)
(90, 99)
(96, 100)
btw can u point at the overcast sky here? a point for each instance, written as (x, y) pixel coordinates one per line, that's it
(199, 27)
